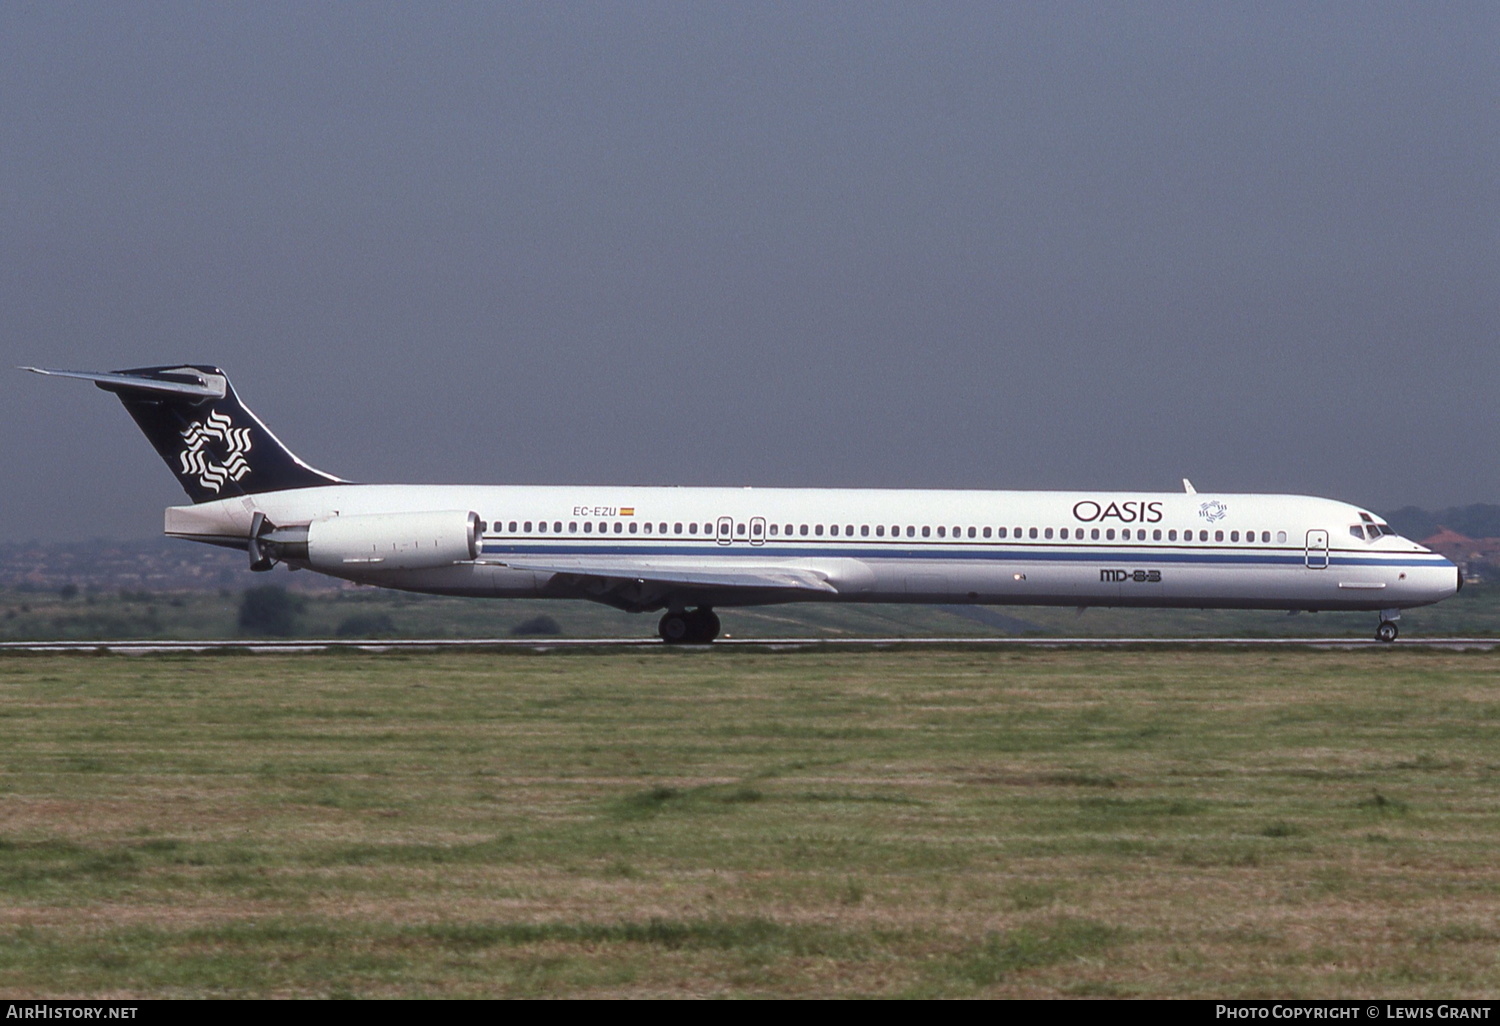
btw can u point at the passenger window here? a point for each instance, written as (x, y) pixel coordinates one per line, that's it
(676, 528)
(1234, 536)
(1109, 534)
(1280, 536)
(708, 528)
(1218, 536)
(880, 530)
(818, 530)
(864, 530)
(1171, 535)
(588, 527)
(1265, 536)
(541, 527)
(926, 532)
(1093, 534)
(848, 530)
(634, 527)
(986, 532)
(1125, 534)
(1156, 535)
(941, 532)
(774, 529)
(1001, 532)
(1031, 533)
(739, 530)
(648, 527)
(572, 527)
(693, 528)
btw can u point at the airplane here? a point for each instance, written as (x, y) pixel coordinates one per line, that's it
(688, 551)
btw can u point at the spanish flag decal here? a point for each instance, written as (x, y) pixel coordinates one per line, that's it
(627, 511)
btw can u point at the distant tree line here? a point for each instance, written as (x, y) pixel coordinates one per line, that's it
(1481, 520)
(269, 611)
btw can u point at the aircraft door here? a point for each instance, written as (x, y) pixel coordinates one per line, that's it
(726, 530)
(757, 530)
(1317, 550)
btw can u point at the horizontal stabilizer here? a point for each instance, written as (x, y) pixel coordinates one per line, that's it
(207, 388)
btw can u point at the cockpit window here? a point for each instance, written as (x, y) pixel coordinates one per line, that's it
(1357, 531)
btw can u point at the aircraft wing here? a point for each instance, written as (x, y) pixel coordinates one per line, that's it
(629, 569)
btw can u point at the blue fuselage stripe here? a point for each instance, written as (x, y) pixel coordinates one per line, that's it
(990, 553)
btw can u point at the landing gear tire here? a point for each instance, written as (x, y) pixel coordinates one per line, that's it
(674, 629)
(1386, 632)
(698, 627)
(705, 625)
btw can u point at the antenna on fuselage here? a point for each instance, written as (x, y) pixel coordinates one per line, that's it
(1187, 486)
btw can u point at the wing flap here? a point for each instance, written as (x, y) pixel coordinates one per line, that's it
(758, 576)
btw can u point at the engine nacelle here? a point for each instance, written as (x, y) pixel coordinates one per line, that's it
(392, 541)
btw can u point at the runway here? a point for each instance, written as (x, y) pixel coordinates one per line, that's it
(286, 647)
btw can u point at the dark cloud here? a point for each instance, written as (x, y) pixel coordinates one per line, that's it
(932, 245)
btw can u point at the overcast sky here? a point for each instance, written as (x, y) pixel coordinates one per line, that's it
(1029, 245)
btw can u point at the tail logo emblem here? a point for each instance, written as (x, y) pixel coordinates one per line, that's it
(198, 461)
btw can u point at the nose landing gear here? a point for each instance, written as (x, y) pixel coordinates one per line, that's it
(681, 627)
(1388, 630)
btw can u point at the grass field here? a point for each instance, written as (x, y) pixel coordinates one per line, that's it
(1226, 823)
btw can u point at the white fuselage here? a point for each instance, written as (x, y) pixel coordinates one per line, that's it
(989, 547)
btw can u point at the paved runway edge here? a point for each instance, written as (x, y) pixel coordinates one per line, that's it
(290, 646)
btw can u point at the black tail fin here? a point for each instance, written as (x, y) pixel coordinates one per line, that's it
(213, 443)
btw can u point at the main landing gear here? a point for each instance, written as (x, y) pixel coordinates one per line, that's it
(680, 627)
(1388, 630)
